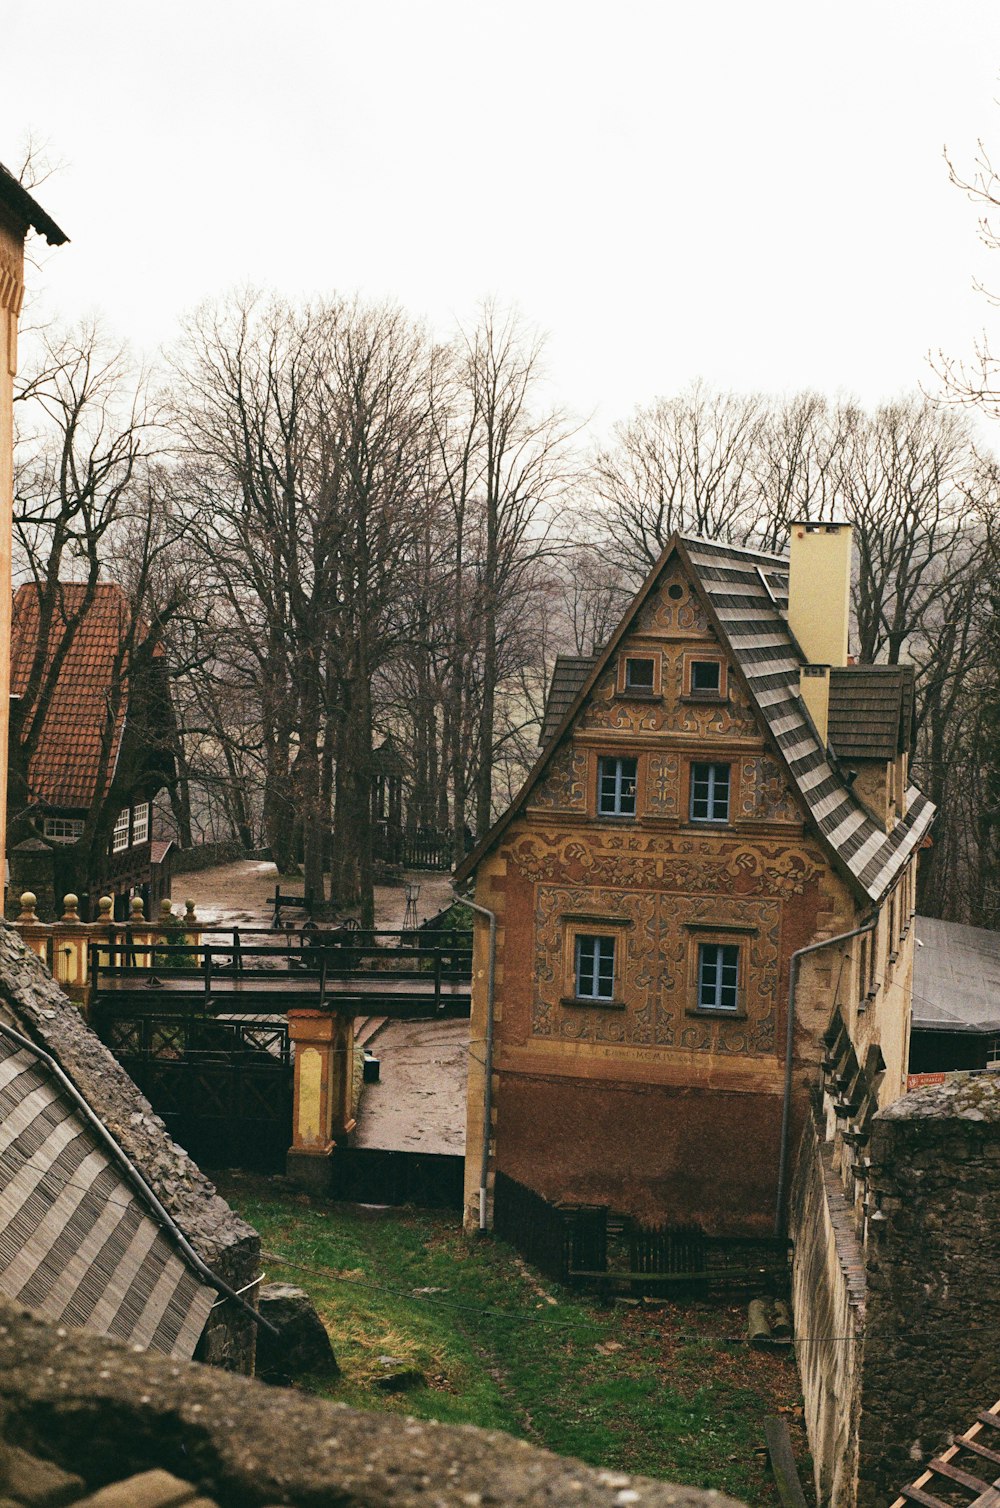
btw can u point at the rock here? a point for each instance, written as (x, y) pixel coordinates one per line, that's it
(302, 1346)
(401, 1382)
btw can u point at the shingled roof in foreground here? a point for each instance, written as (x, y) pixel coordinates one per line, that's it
(77, 1243)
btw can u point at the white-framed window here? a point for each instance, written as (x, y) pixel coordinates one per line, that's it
(62, 829)
(119, 833)
(718, 976)
(594, 967)
(616, 787)
(140, 822)
(709, 792)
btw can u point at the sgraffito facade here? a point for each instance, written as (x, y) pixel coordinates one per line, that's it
(651, 884)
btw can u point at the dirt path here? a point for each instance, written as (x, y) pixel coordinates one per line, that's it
(236, 895)
(418, 1105)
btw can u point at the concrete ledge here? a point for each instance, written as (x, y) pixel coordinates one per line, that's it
(106, 1412)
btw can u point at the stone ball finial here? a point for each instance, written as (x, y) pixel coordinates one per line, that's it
(189, 915)
(29, 900)
(136, 909)
(70, 904)
(166, 908)
(105, 906)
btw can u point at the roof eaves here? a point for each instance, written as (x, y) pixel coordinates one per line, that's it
(17, 199)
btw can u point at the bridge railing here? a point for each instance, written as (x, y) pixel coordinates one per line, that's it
(319, 957)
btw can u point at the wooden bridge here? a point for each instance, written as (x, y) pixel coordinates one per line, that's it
(243, 1038)
(266, 969)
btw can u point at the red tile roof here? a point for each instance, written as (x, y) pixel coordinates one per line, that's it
(64, 770)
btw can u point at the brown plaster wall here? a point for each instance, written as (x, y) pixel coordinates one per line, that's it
(657, 1152)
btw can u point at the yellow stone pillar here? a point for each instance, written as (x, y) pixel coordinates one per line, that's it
(36, 935)
(324, 1058)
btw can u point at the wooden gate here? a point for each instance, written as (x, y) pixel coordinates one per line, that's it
(222, 1086)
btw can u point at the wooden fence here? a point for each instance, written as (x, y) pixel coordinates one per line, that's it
(587, 1246)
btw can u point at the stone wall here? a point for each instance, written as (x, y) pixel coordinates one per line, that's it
(35, 1005)
(105, 1413)
(932, 1348)
(828, 1304)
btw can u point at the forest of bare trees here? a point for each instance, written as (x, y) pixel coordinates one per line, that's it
(340, 530)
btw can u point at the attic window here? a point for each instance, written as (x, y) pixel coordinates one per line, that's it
(638, 674)
(706, 677)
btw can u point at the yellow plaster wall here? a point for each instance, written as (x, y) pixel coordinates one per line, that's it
(819, 590)
(660, 875)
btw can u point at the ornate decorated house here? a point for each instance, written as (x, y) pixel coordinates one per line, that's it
(92, 735)
(710, 800)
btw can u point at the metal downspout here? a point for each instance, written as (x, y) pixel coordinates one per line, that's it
(136, 1179)
(786, 1107)
(488, 1052)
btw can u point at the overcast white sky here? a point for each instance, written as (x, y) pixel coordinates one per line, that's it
(750, 192)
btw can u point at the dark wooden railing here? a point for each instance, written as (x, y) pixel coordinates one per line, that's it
(319, 958)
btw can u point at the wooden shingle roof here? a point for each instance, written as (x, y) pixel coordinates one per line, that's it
(77, 1243)
(871, 710)
(568, 675)
(745, 593)
(65, 769)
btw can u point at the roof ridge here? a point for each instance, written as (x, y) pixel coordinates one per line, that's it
(719, 544)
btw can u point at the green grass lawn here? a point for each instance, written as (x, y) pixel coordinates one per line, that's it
(671, 1390)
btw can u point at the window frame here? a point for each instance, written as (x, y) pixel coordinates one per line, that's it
(587, 925)
(121, 833)
(140, 818)
(625, 688)
(711, 819)
(603, 968)
(645, 688)
(696, 694)
(620, 778)
(75, 823)
(720, 963)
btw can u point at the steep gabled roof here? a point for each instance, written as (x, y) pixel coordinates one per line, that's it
(66, 766)
(744, 592)
(871, 710)
(77, 1240)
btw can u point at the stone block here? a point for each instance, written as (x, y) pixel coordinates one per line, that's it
(302, 1346)
(38, 1484)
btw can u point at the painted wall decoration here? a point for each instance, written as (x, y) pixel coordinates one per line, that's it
(765, 793)
(673, 608)
(564, 785)
(658, 939)
(664, 861)
(663, 785)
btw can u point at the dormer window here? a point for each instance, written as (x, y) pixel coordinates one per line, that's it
(639, 674)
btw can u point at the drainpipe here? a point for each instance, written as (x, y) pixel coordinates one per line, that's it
(488, 1055)
(786, 1107)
